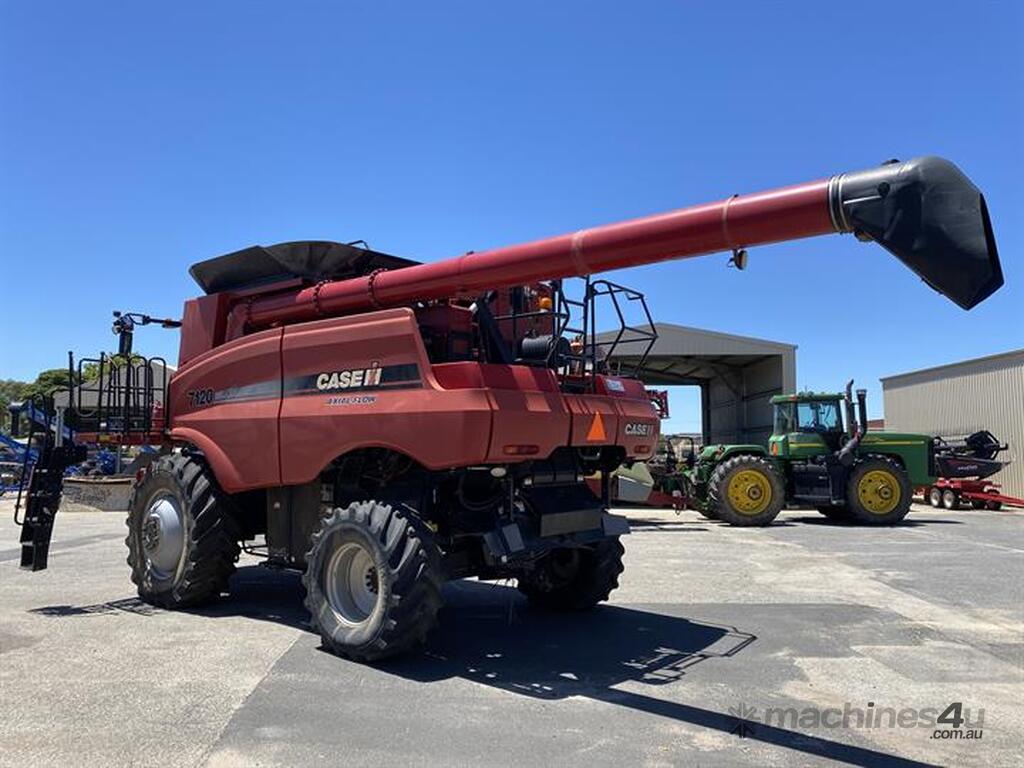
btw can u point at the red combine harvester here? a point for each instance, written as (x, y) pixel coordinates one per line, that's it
(388, 425)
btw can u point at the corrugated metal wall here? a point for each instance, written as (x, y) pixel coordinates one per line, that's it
(956, 400)
(736, 404)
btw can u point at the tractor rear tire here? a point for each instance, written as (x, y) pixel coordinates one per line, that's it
(373, 580)
(878, 492)
(746, 491)
(182, 538)
(935, 497)
(574, 579)
(950, 499)
(838, 514)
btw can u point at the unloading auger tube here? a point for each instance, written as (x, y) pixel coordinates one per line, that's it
(925, 212)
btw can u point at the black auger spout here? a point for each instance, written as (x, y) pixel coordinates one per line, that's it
(930, 216)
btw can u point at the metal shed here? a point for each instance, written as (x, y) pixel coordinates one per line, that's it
(960, 398)
(736, 375)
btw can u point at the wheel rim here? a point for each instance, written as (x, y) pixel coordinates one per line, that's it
(749, 492)
(879, 492)
(163, 536)
(352, 583)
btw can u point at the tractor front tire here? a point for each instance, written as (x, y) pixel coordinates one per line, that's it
(373, 580)
(574, 579)
(182, 539)
(878, 492)
(746, 491)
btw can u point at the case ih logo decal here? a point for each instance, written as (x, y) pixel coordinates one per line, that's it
(401, 376)
(360, 377)
(639, 429)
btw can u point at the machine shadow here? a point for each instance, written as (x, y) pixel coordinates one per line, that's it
(490, 636)
(906, 523)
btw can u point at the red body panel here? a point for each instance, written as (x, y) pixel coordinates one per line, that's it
(437, 428)
(278, 406)
(203, 325)
(226, 403)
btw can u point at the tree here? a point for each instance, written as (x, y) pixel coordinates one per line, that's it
(11, 391)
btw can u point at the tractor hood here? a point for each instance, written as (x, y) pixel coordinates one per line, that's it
(930, 216)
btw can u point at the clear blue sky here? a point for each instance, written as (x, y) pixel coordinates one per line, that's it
(137, 138)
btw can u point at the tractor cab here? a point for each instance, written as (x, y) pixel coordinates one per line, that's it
(809, 424)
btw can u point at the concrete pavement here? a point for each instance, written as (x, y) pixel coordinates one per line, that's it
(723, 646)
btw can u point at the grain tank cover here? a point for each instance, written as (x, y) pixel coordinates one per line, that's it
(309, 260)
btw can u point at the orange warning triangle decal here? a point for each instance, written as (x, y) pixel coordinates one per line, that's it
(596, 433)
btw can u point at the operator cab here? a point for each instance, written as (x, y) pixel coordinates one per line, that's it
(808, 420)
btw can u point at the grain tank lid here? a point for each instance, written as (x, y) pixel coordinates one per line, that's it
(310, 260)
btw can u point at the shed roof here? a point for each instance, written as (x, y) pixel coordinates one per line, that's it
(1011, 357)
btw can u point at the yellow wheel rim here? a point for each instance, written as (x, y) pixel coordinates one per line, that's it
(749, 492)
(879, 491)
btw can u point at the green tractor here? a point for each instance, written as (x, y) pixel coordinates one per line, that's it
(819, 455)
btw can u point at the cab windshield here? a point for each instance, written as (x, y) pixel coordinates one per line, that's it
(818, 416)
(785, 421)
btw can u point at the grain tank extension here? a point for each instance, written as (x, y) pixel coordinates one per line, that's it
(384, 425)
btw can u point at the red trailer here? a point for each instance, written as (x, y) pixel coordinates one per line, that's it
(980, 494)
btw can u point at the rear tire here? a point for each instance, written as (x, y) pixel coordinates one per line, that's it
(373, 581)
(950, 499)
(878, 492)
(995, 506)
(935, 497)
(574, 579)
(182, 539)
(746, 491)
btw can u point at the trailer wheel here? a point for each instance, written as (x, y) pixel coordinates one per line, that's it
(950, 499)
(373, 580)
(182, 539)
(935, 497)
(878, 492)
(574, 579)
(977, 504)
(746, 490)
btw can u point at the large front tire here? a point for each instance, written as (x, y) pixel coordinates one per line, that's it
(746, 490)
(574, 579)
(182, 539)
(878, 492)
(373, 581)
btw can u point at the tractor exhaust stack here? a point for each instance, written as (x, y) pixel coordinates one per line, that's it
(924, 211)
